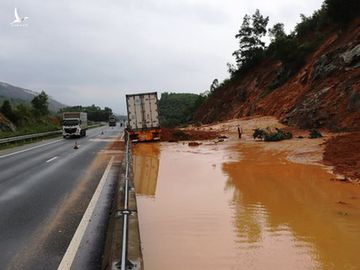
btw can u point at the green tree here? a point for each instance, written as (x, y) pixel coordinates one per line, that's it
(40, 104)
(7, 111)
(108, 112)
(94, 113)
(177, 108)
(214, 85)
(250, 35)
(277, 32)
(342, 11)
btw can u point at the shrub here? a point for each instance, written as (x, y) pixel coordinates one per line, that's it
(271, 136)
(259, 134)
(314, 133)
(278, 135)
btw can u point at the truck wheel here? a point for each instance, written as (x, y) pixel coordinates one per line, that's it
(64, 136)
(84, 133)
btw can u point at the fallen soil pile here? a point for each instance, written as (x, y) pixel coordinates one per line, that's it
(174, 135)
(343, 153)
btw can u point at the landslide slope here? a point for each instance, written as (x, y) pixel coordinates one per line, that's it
(325, 92)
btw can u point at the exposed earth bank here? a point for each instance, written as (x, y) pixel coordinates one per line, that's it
(324, 93)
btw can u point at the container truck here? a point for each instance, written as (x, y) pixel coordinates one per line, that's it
(143, 117)
(112, 121)
(74, 124)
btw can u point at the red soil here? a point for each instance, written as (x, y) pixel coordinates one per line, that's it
(174, 135)
(343, 152)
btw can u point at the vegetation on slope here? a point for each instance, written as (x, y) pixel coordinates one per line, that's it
(289, 49)
(304, 77)
(177, 109)
(25, 119)
(22, 119)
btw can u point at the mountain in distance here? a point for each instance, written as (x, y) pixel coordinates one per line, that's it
(18, 95)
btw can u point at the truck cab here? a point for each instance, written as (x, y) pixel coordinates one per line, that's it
(74, 124)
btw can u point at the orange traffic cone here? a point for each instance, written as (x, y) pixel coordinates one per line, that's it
(76, 145)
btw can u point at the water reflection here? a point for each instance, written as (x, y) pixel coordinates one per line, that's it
(230, 206)
(146, 168)
(296, 206)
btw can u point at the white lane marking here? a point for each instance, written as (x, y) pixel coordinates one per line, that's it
(51, 159)
(103, 140)
(28, 149)
(72, 249)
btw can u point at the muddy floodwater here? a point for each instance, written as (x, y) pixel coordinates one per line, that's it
(234, 206)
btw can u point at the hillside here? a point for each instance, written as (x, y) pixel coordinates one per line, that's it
(324, 92)
(18, 95)
(176, 108)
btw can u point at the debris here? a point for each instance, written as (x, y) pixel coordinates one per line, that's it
(194, 144)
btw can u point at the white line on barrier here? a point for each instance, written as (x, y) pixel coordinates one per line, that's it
(28, 149)
(71, 251)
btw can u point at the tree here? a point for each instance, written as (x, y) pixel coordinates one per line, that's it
(94, 113)
(342, 11)
(277, 32)
(178, 108)
(250, 35)
(107, 112)
(214, 85)
(40, 104)
(231, 69)
(7, 111)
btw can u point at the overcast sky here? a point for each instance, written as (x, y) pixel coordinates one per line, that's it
(94, 52)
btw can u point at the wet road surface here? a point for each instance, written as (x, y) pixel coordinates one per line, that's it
(44, 192)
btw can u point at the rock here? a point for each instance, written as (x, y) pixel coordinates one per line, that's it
(324, 67)
(6, 125)
(354, 102)
(352, 57)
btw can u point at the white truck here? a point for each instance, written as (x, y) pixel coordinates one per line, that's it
(74, 124)
(112, 121)
(143, 117)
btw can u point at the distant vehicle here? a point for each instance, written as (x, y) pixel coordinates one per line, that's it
(143, 117)
(74, 124)
(112, 121)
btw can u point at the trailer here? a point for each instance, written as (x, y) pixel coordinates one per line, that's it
(143, 117)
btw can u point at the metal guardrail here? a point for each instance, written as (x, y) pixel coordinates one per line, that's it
(124, 262)
(30, 136)
(36, 135)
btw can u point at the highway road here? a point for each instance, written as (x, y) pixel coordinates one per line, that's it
(45, 189)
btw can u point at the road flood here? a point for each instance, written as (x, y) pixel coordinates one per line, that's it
(237, 206)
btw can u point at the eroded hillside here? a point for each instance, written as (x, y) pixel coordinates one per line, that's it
(325, 92)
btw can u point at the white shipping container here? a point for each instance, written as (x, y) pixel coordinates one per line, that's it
(142, 111)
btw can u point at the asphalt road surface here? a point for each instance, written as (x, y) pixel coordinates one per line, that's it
(44, 191)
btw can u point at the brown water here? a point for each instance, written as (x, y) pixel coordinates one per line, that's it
(237, 207)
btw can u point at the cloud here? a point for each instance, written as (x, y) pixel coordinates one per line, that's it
(87, 51)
